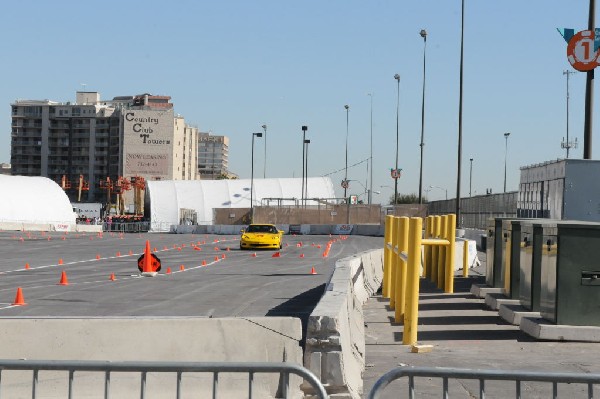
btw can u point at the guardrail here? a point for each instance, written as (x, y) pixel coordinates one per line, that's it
(482, 376)
(402, 264)
(283, 369)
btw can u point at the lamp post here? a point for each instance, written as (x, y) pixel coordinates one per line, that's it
(505, 156)
(589, 92)
(265, 165)
(568, 144)
(423, 34)
(460, 106)
(397, 77)
(304, 129)
(252, 179)
(347, 107)
(470, 176)
(306, 143)
(370, 197)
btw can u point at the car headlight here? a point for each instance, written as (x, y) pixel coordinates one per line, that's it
(244, 237)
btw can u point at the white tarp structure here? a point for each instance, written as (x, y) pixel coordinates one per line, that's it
(34, 203)
(165, 198)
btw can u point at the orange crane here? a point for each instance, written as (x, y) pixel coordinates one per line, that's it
(139, 184)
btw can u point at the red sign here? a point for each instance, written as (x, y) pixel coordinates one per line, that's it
(395, 173)
(344, 183)
(580, 51)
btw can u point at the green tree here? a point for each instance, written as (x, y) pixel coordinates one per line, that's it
(406, 199)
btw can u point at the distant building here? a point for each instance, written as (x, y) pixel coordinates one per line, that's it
(213, 157)
(5, 169)
(127, 136)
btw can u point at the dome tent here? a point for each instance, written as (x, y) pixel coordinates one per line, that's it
(165, 198)
(34, 203)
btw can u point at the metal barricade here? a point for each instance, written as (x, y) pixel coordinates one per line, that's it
(215, 368)
(445, 374)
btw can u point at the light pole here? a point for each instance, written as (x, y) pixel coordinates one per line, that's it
(505, 156)
(589, 92)
(470, 175)
(370, 197)
(306, 143)
(423, 34)
(347, 107)
(252, 179)
(397, 77)
(265, 166)
(304, 129)
(568, 144)
(460, 106)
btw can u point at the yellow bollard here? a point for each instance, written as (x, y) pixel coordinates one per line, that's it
(435, 250)
(441, 266)
(411, 317)
(427, 250)
(394, 264)
(400, 292)
(466, 258)
(450, 253)
(387, 257)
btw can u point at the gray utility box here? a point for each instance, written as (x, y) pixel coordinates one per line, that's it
(570, 275)
(563, 189)
(530, 262)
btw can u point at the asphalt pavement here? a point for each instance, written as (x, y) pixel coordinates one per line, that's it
(465, 333)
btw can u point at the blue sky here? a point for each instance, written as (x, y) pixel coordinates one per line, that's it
(232, 66)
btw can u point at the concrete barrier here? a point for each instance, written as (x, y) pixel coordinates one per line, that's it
(258, 339)
(335, 337)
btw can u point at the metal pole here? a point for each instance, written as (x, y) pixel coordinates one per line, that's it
(252, 179)
(589, 93)
(470, 176)
(505, 156)
(371, 157)
(304, 128)
(397, 77)
(346, 167)
(265, 165)
(423, 34)
(460, 106)
(306, 143)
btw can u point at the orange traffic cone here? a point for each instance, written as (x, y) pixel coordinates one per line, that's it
(147, 267)
(276, 255)
(302, 255)
(63, 279)
(227, 249)
(112, 277)
(97, 256)
(19, 299)
(313, 271)
(223, 256)
(217, 249)
(118, 253)
(26, 266)
(181, 268)
(203, 263)
(253, 255)
(197, 249)
(168, 270)
(60, 261)
(216, 258)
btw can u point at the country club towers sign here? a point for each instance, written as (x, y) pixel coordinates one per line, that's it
(148, 143)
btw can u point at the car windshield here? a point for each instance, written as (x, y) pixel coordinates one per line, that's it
(261, 229)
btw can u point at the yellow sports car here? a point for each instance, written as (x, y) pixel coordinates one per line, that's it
(261, 236)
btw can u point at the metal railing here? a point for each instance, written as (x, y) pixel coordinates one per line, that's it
(518, 377)
(178, 368)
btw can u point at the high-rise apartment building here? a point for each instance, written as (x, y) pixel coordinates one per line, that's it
(127, 136)
(213, 157)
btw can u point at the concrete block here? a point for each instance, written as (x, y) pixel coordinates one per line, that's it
(495, 299)
(332, 372)
(513, 313)
(544, 330)
(481, 290)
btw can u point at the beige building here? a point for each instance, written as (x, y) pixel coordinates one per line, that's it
(213, 157)
(125, 137)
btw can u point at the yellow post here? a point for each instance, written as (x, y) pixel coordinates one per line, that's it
(394, 264)
(401, 270)
(435, 250)
(466, 258)
(441, 278)
(387, 258)
(427, 248)
(450, 253)
(411, 317)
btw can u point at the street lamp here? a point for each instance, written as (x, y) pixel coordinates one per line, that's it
(304, 129)
(346, 167)
(306, 143)
(460, 107)
(505, 155)
(265, 165)
(370, 199)
(397, 77)
(252, 179)
(470, 176)
(423, 34)
(441, 188)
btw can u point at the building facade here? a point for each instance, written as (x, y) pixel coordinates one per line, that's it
(126, 137)
(213, 157)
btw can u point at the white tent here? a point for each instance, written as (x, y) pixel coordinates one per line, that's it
(164, 198)
(34, 203)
